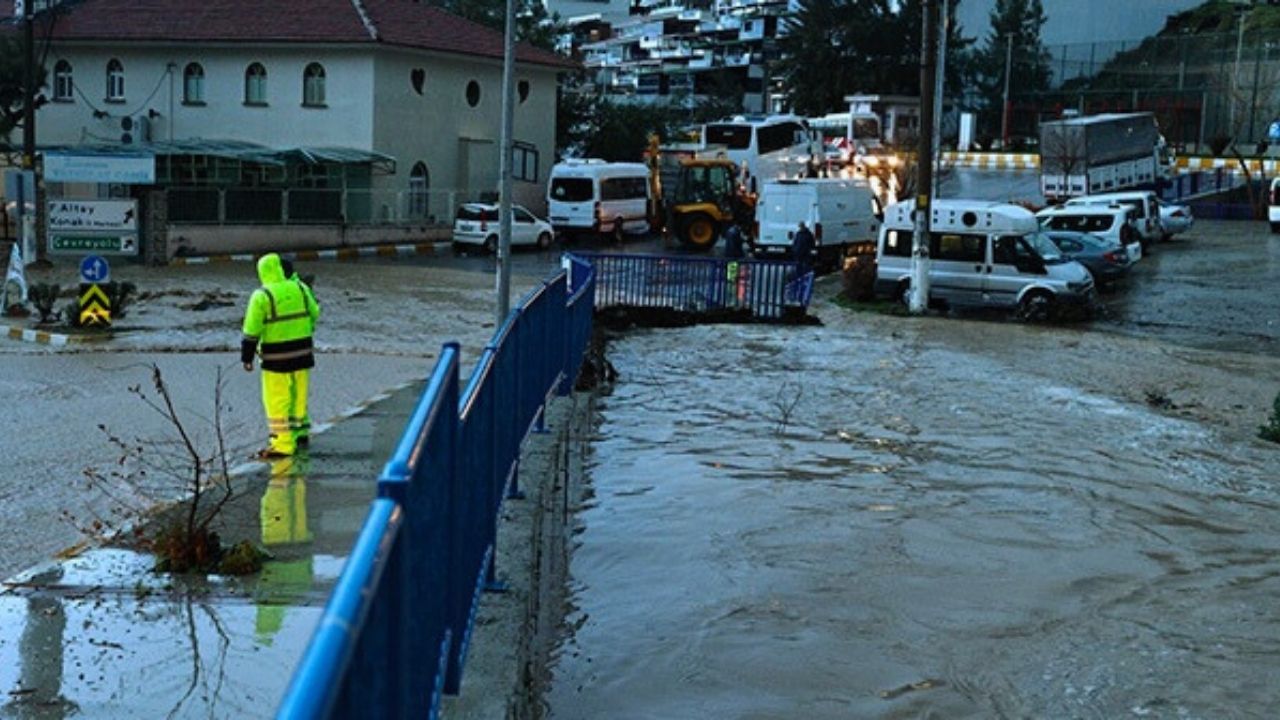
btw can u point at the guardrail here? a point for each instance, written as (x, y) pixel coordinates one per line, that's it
(697, 284)
(394, 634)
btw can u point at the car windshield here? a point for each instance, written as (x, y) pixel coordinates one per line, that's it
(475, 212)
(1045, 248)
(566, 189)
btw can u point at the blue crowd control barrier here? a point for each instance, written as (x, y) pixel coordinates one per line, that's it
(354, 626)
(395, 632)
(764, 287)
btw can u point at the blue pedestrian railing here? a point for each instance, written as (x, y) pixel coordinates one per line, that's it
(394, 634)
(698, 284)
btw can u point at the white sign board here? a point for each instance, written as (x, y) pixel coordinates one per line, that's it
(124, 169)
(93, 216)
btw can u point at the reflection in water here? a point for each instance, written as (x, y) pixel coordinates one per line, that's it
(928, 534)
(39, 694)
(288, 575)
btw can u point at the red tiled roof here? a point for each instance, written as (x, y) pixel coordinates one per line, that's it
(404, 23)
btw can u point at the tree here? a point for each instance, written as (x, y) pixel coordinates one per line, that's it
(1019, 21)
(533, 24)
(12, 95)
(834, 48)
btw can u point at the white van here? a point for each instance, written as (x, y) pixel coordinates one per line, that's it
(839, 211)
(1114, 223)
(594, 197)
(982, 254)
(1143, 201)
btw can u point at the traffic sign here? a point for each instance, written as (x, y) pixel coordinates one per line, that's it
(95, 306)
(94, 269)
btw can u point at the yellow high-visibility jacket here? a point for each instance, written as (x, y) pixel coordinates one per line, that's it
(279, 321)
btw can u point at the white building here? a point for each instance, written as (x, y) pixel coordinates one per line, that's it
(675, 50)
(390, 107)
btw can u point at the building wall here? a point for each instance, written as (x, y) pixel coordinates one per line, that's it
(457, 141)
(154, 81)
(370, 104)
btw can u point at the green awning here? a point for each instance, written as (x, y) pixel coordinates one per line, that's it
(239, 150)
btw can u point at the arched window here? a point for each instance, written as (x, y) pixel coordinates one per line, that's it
(522, 90)
(419, 186)
(473, 93)
(255, 85)
(313, 85)
(193, 84)
(62, 84)
(115, 80)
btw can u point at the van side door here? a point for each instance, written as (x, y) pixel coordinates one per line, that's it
(1011, 269)
(958, 266)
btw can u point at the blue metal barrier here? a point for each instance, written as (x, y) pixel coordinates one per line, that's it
(697, 284)
(395, 632)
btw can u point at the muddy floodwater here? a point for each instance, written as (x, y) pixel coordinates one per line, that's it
(937, 518)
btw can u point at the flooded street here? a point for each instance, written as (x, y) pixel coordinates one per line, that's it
(890, 517)
(382, 324)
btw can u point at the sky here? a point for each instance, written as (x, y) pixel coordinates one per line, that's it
(1081, 21)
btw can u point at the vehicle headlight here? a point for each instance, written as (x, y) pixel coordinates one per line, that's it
(1080, 285)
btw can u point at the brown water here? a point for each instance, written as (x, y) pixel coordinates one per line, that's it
(845, 522)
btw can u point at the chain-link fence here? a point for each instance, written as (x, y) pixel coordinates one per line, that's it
(1202, 87)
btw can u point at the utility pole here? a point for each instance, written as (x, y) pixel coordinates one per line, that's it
(924, 162)
(1253, 100)
(504, 165)
(28, 219)
(1008, 70)
(938, 95)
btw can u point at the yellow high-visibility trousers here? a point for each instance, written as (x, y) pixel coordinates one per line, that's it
(284, 397)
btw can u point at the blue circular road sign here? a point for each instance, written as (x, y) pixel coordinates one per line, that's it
(94, 269)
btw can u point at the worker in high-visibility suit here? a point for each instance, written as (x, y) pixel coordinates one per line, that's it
(278, 325)
(302, 433)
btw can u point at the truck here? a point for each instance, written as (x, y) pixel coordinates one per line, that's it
(839, 211)
(1094, 154)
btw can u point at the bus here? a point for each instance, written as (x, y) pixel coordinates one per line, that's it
(777, 146)
(851, 133)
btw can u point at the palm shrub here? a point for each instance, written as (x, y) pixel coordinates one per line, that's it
(44, 296)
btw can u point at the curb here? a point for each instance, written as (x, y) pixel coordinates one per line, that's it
(1230, 165)
(47, 338)
(347, 253)
(993, 161)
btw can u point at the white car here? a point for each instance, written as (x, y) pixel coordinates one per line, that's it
(477, 224)
(1175, 218)
(1113, 223)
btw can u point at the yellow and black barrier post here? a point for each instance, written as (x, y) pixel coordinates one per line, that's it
(95, 304)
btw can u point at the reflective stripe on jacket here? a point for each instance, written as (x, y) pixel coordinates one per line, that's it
(279, 321)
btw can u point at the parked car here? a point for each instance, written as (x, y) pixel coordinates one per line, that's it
(982, 254)
(1175, 218)
(1273, 205)
(1105, 260)
(1144, 202)
(1109, 222)
(477, 224)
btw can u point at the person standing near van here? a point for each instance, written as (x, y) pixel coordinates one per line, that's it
(278, 325)
(733, 241)
(802, 244)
